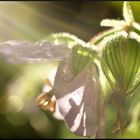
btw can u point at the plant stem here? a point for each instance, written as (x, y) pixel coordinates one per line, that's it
(120, 120)
(118, 103)
(98, 38)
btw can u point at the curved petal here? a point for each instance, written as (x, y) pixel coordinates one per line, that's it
(79, 98)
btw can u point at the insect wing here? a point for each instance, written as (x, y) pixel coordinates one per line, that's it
(24, 51)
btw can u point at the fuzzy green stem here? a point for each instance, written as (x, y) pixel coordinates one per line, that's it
(98, 38)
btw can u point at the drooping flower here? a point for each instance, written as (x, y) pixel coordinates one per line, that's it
(121, 65)
(78, 92)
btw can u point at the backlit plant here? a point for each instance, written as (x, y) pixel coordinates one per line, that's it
(90, 76)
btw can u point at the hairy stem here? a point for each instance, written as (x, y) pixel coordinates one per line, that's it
(99, 37)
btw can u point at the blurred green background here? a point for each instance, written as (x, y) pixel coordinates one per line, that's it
(20, 84)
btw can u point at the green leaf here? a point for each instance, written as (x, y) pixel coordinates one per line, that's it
(127, 13)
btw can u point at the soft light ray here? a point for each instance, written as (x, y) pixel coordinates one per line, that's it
(17, 21)
(58, 23)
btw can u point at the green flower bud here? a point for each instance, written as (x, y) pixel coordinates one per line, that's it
(120, 61)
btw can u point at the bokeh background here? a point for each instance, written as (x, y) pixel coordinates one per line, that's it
(20, 84)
